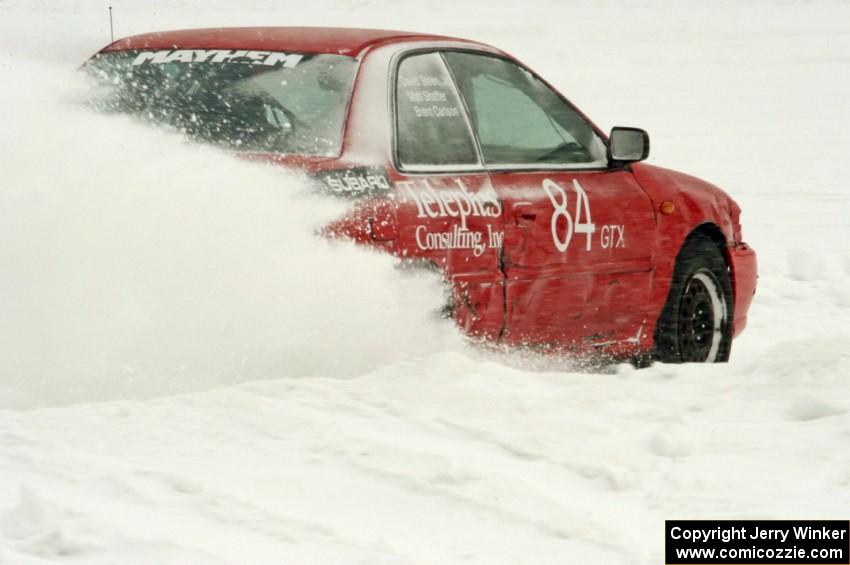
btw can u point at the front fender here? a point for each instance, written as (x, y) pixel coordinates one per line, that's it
(695, 203)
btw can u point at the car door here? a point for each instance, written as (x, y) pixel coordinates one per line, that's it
(577, 251)
(448, 213)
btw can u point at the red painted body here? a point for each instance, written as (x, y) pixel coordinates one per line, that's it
(603, 292)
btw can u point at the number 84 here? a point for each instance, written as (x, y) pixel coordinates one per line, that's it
(561, 215)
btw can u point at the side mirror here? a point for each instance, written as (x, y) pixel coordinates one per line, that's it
(628, 145)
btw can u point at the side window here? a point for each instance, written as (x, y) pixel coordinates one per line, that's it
(518, 119)
(431, 126)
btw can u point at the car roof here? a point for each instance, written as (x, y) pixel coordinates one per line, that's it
(338, 40)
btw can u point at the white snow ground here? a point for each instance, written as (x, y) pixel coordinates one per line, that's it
(152, 324)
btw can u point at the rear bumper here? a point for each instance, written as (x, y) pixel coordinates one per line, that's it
(742, 262)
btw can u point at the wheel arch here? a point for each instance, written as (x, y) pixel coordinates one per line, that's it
(713, 232)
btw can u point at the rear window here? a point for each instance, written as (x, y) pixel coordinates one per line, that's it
(255, 101)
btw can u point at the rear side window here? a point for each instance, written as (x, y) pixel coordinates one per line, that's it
(518, 119)
(254, 101)
(432, 126)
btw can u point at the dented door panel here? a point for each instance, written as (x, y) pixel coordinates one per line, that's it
(577, 258)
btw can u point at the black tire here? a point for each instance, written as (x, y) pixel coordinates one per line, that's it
(696, 323)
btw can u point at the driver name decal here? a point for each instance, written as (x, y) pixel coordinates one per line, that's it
(267, 58)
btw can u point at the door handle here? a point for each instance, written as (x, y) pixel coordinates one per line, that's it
(524, 214)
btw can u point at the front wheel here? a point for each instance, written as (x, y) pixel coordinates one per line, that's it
(696, 323)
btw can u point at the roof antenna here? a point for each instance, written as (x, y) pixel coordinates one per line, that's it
(111, 29)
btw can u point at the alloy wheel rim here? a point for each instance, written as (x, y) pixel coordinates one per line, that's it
(702, 316)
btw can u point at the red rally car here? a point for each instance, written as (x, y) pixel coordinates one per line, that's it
(453, 153)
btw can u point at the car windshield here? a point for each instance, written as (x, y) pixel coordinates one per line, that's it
(255, 101)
